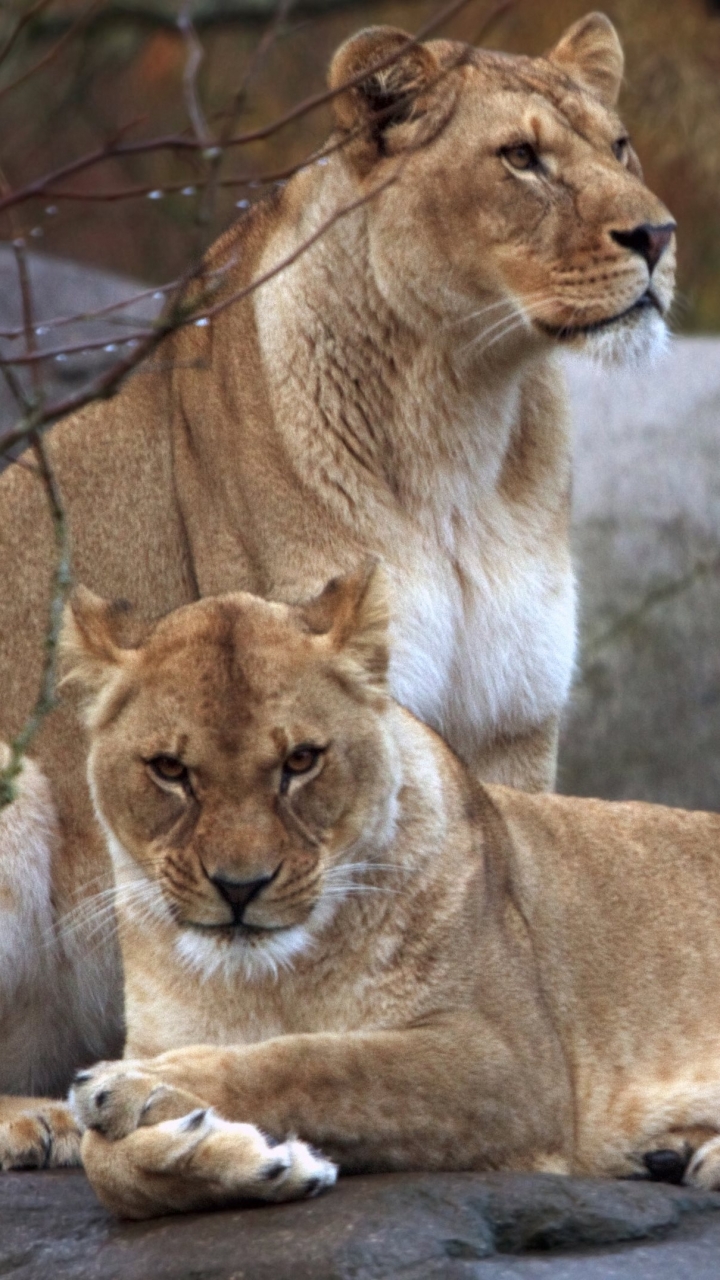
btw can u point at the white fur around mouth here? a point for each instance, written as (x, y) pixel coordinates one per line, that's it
(636, 336)
(564, 333)
(250, 956)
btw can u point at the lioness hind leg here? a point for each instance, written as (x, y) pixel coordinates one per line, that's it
(37, 1133)
(199, 1162)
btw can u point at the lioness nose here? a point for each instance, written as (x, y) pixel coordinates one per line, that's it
(649, 241)
(239, 893)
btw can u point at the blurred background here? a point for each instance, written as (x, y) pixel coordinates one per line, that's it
(644, 719)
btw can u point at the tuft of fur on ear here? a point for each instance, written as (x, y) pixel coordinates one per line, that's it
(591, 54)
(353, 613)
(395, 107)
(88, 640)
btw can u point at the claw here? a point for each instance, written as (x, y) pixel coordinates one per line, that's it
(194, 1119)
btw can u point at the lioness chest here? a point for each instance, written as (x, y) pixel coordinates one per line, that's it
(483, 632)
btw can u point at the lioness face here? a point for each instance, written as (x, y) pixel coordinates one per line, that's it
(238, 756)
(519, 208)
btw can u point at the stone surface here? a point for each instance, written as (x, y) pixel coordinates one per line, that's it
(61, 289)
(644, 718)
(418, 1226)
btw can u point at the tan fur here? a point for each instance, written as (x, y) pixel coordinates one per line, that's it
(433, 974)
(394, 391)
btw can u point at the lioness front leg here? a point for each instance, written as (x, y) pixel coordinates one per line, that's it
(150, 1148)
(423, 1099)
(37, 1133)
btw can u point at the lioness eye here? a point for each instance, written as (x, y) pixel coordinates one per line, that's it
(169, 768)
(301, 760)
(620, 149)
(521, 157)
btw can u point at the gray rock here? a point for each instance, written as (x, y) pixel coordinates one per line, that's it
(420, 1225)
(65, 289)
(644, 719)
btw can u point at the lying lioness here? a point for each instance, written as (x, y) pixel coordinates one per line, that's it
(373, 951)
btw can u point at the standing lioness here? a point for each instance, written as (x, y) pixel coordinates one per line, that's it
(394, 390)
(376, 953)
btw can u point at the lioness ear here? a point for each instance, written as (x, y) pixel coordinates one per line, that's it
(590, 53)
(353, 613)
(88, 640)
(392, 108)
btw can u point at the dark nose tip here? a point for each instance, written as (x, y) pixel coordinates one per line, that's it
(649, 241)
(239, 893)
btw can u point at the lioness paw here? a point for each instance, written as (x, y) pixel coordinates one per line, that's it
(197, 1162)
(242, 1160)
(115, 1098)
(45, 1139)
(703, 1170)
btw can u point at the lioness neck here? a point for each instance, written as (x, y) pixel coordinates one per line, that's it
(383, 388)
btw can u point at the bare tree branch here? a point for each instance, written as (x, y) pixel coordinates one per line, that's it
(198, 313)
(181, 142)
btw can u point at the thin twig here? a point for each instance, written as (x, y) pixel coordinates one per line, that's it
(81, 316)
(43, 62)
(41, 186)
(28, 318)
(107, 383)
(193, 62)
(20, 25)
(61, 587)
(172, 188)
(260, 53)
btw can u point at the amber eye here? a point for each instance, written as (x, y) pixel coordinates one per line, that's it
(301, 760)
(169, 768)
(522, 157)
(620, 149)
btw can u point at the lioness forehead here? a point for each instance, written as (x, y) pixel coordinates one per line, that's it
(236, 639)
(506, 73)
(223, 666)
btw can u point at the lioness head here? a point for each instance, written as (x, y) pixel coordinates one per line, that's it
(236, 756)
(518, 202)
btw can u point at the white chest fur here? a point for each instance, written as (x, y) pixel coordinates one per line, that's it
(484, 633)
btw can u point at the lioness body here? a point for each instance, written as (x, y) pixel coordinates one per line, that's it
(423, 974)
(394, 390)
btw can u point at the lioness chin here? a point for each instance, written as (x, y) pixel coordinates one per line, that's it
(393, 391)
(331, 930)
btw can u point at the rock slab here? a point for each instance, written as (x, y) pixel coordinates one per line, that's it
(419, 1226)
(643, 721)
